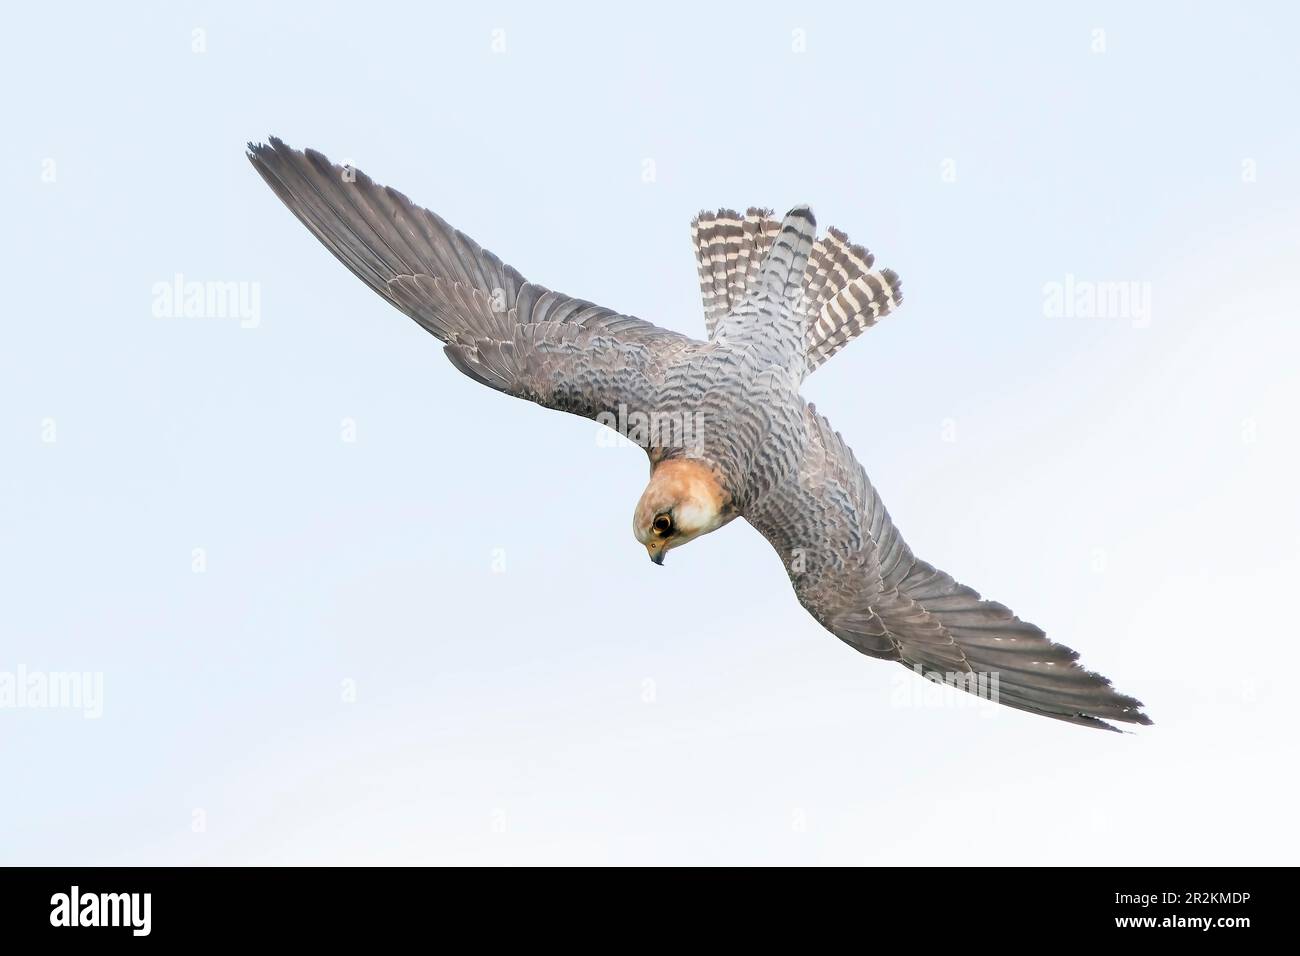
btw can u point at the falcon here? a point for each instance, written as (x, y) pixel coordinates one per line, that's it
(779, 301)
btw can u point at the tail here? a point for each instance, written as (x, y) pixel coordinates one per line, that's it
(729, 250)
(782, 274)
(842, 294)
(768, 318)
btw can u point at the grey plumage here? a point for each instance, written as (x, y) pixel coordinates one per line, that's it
(778, 303)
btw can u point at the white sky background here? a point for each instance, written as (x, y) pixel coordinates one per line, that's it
(1130, 489)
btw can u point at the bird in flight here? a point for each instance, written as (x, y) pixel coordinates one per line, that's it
(778, 302)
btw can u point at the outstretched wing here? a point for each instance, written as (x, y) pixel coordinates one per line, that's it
(854, 573)
(499, 329)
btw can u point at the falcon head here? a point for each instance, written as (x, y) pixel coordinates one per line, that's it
(683, 501)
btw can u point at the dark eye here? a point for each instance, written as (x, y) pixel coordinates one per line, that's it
(663, 524)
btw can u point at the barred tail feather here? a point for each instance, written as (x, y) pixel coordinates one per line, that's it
(842, 293)
(729, 249)
(787, 262)
(854, 308)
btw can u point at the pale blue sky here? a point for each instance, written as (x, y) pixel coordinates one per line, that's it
(1130, 489)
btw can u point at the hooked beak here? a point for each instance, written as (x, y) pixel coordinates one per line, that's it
(657, 557)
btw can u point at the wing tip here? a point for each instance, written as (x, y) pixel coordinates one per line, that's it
(273, 144)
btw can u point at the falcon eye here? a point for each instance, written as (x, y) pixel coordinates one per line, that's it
(662, 525)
